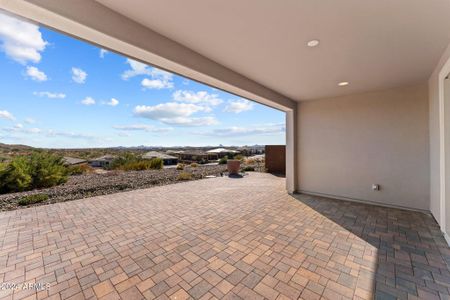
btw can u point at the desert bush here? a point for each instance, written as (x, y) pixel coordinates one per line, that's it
(239, 157)
(250, 161)
(16, 176)
(180, 166)
(79, 169)
(37, 170)
(124, 159)
(48, 170)
(156, 164)
(133, 162)
(194, 165)
(135, 166)
(248, 169)
(223, 160)
(32, 199)
(231, 155)
(184, 176)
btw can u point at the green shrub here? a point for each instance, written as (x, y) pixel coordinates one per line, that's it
(16, 176)
(48, 170)
(27, 172)
(231, 155)
(79, 169)
(132, 162)
(194, 165)
(32, 199)
(239, 157)
(184, 176)
(180, 166)
(156, 164)
(3, 166)
(223, 160)
(122, 160)
(248, 169)
(135, 166)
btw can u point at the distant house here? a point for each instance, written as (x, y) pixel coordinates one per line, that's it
(222, 152)
(174, 152)
(196, 156)
(166, 158)
(73, 161)
(251, 150)
(102, 161)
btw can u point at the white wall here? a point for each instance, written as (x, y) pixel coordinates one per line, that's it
(348, 143)
(435, 162)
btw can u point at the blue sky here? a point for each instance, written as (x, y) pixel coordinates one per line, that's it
(57, 92)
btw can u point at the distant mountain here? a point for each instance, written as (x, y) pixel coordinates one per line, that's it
(8, 147)
(18, 147)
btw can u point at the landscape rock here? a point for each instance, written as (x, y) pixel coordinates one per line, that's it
(89, 185)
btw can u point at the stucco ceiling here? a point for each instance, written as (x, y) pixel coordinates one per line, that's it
(373, 44)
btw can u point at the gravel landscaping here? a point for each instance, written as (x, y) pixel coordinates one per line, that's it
(89, 185)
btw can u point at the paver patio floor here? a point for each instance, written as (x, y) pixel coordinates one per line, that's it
(221, 238)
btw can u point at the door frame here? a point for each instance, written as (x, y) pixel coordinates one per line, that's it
(445, 71)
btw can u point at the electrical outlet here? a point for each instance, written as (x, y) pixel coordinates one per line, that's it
(375, 187)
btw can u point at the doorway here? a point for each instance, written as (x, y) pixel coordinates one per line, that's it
(445, 201)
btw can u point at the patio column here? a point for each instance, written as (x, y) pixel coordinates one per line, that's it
(291, 150)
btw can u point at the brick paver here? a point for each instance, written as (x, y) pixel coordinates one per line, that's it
(221, 238)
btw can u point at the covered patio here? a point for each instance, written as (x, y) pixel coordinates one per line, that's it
(365, 89)
(191, 241)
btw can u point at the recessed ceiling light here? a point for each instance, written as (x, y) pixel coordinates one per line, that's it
(313, 43)
(343, 83)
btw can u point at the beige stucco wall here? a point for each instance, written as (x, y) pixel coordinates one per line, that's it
(348, 143)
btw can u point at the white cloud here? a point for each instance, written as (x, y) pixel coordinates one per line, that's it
(238, 106)
(201, 97)
(103, 52)
(88, 101)
(78, 75)
(74, 135)
(20, 40)
(35, 74)
(159, 79)
(142, 127)
(198, 121)
(19, 128)
(4, 114)
(33, 130)
(48, 133)
(50, 95)
(267, 129)
(112, 102)
(173, 113)
(156, 84)
(167, 110)
(137, 68)
(30, 121)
